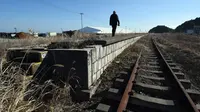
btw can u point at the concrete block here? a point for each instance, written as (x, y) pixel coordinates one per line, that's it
(94, 77)
(104, 68)
(30, 68)
(98, 74)
(103, 62)
(101, 71)
(27, 56)
(119, 45)
(116, 45)
(106, 59)
(96, 67)
(109, 57)
(85, 94)
(12, 53)
(114, 55)
(79, 59)
(101, 52)
(103, 108)
(95, 49)
(94, 52)
(107, 52)
(94, 71)
(89, 68)
(100, 66)
(104, 52)
(109, 49)
(113, 49)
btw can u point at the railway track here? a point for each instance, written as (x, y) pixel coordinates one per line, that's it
(154, 84)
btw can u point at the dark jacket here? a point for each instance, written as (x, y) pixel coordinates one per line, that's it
(114, 20)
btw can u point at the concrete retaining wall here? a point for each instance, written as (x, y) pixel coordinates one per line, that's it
(89, 63)
(100, 57)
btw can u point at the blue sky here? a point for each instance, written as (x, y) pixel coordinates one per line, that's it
(52, 15)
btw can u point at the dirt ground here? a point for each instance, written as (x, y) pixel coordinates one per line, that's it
(184, 50)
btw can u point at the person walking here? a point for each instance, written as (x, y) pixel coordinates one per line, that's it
(114, 21)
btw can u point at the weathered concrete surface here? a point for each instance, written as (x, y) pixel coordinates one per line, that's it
(30, 68)
(76, 64)
(83, 42)
(82, 67)
(25, 55)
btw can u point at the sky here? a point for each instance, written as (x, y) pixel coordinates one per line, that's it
(58, 15)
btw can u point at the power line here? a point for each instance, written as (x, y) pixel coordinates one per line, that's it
(73, 12)
(57, 7)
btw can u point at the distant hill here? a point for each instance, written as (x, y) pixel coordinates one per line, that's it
(160, 29)
(188, 25)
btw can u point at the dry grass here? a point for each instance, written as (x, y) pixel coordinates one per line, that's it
(13, 82)
(19, 93)
(184, 49)
(11, 91)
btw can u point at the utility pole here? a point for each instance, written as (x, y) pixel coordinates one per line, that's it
(15, 30)
(81, 20)
(125, 29)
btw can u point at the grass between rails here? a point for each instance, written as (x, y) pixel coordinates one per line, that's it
(184, 49)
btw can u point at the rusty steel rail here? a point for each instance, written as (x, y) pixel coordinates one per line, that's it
(184, 96)
(125, 97)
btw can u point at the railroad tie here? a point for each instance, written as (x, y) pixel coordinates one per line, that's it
(176, 69)
(152, 102)
(152, 71)
(154, 90)
(119, 83)
(150, 66)
(172, 64)
(195, 95)
(153, 63)
(198, 106)
(179, 75)
(186, 83)
(161, 79)
(103, 108)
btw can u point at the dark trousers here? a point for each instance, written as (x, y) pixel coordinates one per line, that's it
(114, 30)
